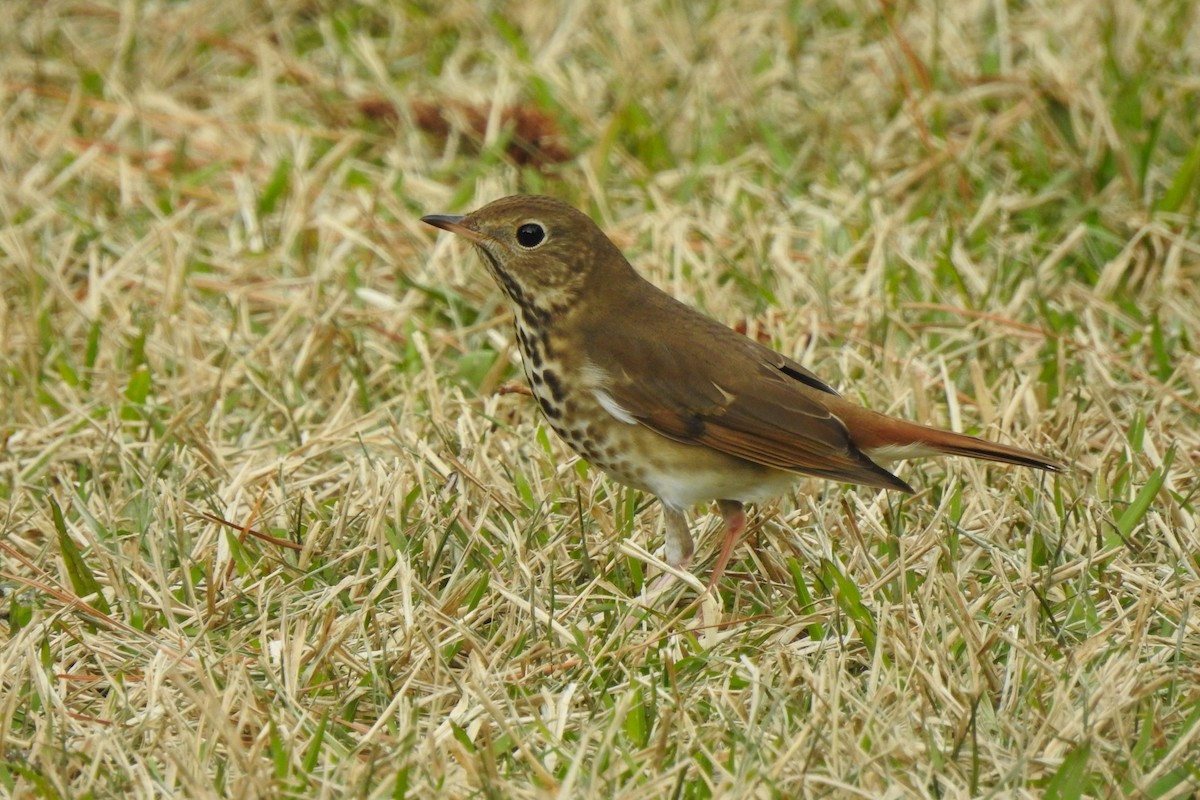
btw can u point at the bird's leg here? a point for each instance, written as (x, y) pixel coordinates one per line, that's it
(679, 538)
(735, 524)
(678, 547)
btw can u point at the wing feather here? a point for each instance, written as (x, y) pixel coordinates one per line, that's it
(739, 398)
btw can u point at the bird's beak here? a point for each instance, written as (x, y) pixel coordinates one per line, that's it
(454, 224)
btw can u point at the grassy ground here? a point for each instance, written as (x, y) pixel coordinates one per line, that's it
(269, 527)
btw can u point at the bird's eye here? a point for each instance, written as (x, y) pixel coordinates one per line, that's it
(530, 235)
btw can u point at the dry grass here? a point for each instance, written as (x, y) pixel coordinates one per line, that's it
(218, 304)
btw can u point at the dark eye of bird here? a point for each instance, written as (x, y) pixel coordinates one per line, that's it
(530, 235)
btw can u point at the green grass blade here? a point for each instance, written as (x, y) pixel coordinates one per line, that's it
(849, 598)
(1137, 510)
(1069, 781)
(83, 581)
(1184, 185)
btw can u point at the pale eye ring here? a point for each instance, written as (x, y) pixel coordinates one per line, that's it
(530, 235)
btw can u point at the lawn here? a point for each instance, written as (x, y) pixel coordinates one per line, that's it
(278, 519)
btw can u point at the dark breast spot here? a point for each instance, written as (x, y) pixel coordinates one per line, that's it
(530, 349)
(555, 385)
(549, 409)
(538, 317)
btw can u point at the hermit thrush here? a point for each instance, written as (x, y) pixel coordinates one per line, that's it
(667, 400)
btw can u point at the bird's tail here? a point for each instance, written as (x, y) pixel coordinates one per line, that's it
(886, 438)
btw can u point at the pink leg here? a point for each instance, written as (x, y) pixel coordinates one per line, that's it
(678, 539)
(735, 524)
(678, 550)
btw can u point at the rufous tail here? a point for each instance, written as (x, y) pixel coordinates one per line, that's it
(887, 438)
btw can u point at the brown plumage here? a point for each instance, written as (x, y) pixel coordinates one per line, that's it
(667, 400)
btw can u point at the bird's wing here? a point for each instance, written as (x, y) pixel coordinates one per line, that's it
(727, 392)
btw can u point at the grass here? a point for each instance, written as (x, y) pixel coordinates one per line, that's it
(270, 527)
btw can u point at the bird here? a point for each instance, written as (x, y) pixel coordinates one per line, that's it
(669, 401)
